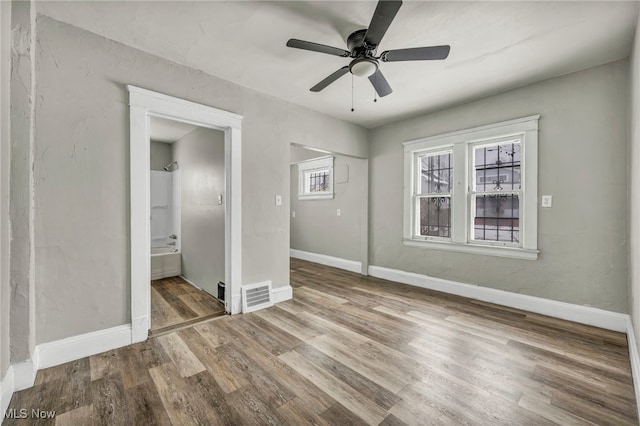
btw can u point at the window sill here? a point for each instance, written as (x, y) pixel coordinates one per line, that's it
(511, 252)
(316, 197)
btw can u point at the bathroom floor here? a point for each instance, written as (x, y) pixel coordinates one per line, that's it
(175, 304)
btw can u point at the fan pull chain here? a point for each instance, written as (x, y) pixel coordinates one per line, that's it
(375, 92)
(352, 109)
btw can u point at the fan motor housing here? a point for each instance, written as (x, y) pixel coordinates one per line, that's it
(356, 44)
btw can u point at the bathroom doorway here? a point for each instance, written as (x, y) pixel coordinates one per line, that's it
(187, 223)
(144, 105)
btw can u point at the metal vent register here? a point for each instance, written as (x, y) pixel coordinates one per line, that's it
(256, 296)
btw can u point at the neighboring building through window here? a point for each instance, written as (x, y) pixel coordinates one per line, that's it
(434, 194)
(474, 190)
(315, 179)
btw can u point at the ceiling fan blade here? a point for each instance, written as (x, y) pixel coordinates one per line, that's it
(382, 18)
(327, 81)
(380, 84)
(315, 47)
(416, 54)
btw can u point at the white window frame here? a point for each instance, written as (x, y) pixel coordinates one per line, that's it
(417, 182)
(316, 164)
(462, 143)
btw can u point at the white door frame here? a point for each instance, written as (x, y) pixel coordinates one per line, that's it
(144, 104)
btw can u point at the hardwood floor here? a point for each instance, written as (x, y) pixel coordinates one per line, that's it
(352, 350)
(175, 304)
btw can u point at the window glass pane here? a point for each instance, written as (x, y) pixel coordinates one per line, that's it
(497, 167)
(435, 216)
(497, 218)
(316, 181)
(436, 173)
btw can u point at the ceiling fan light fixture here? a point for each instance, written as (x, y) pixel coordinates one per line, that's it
(363, 67)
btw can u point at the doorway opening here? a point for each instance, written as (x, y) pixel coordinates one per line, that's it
(146, 105)
(187, 224)
(329, 190)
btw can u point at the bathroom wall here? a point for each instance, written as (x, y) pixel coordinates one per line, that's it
(200, 156)
(160, 155)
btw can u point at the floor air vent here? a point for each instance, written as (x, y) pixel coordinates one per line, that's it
(256, 296)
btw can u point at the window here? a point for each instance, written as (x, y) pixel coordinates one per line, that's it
(315, 179)
(475, 190)
(496, 196)
(434, 194)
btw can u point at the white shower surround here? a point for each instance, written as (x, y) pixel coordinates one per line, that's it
(165, 208)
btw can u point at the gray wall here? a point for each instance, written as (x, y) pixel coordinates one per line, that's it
(317, 228)
(22, 184)
(82, 179)
(160, 155)
(5, 149)
(583, 140)
(634, 193)
(200, 156)
(299, 153)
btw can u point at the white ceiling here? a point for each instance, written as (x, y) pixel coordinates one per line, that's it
(495, 46)
(168, 131)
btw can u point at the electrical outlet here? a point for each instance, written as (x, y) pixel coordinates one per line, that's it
(338, 212)
(278, 200)
(547, 201)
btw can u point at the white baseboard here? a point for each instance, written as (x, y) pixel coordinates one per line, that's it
(567, 311)
(323, 259)
(634, 359)
(139, 329)
(76, 347)
(17, 377)
(280, 294)
(24, 375)
(6, 390)
(191, 282)
(233, 305)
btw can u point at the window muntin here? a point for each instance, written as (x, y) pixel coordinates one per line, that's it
(492, 202)
(496, 192)
(433, 197)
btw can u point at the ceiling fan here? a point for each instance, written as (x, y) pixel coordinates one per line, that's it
(363, 44)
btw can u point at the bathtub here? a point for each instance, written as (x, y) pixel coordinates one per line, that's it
(165, 262)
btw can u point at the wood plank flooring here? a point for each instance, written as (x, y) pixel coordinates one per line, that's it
(175, 304)
(350, 350)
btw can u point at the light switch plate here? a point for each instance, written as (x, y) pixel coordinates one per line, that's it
(278, 200)
(547, 201)
(293, 213)
(338, 212)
